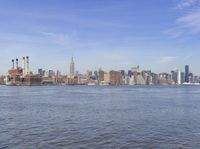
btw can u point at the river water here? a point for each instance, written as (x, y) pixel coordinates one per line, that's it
(90, 117)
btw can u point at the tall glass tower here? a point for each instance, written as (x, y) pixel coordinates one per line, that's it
(187, 73)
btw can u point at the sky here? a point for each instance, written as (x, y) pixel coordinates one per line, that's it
(161, 35)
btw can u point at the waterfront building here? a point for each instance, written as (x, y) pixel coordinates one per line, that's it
(101, 75)
(51, 73)
(165, 79)
(155, 78)
(106, 78)
(2, 78)
(140, 80)
(16, 75)
(96, 75)
(58, 77)
(82, 79)
(89, 74)
(182, 77)
(123, 73)
(115, 77)
(179, 81)
(130, 73)
(41, 72)
(73, 80)
(191, 78)
(174, 76)
(126, 80)
(64, 79)
(146, 75)
(132, 80)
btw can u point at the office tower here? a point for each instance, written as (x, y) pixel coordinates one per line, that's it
(191, 77)
(115, 77)
(123, 73)
(175, 76)
(72, 67)
(96, 75)
(182, 77)
(58, 77)
(172, 75)
(179, 78)
(187, 73)
(101, 75)
(43, 72)
(51, 73)
(130, 73)
(40, 72)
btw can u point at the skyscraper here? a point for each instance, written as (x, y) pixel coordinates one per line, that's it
(187, 73)
(40, 72)
(72, 67)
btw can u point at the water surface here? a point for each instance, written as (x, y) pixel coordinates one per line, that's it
(99, 117)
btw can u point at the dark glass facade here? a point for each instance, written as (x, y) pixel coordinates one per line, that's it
(187, 73)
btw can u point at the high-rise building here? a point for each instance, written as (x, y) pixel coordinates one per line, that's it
(40, 72)
(115, 77)
(101, 75)
(179, 78)
(187, 73)
(72, 67)
(96, 75)
(130, 73)
(123, 73)
(51, 73)
(182, 77)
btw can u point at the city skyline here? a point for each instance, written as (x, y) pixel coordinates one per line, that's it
(157, 35)
(134, 76)
(24, 65)
(72, 71)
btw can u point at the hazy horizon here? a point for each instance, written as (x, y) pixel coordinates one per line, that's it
(159, 35)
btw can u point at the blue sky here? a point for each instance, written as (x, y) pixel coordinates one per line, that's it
(160, 35)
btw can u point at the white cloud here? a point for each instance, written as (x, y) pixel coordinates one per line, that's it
(167, 59)
(174, 32)
(190, 21)
(185, 3)
(62, 39)
(187, 23)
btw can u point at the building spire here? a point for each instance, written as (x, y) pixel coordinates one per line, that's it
(72, 67)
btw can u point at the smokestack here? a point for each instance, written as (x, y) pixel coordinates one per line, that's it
(24, 66)
(13, 64)
(16, 63)
(27, 64)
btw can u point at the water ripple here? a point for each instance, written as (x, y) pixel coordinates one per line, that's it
(99, 117)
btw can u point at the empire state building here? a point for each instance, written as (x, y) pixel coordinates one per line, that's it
(72, 67)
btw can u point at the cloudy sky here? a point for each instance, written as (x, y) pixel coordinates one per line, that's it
(160, 35)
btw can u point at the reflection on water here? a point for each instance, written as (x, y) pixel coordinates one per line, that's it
(99, 117)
